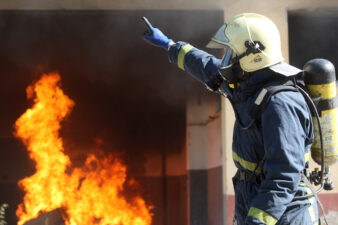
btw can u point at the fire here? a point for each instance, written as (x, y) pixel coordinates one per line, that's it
(88, 195)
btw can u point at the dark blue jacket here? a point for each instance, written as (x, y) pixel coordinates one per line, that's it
(284, 136)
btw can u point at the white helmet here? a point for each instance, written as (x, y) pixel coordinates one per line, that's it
(254, 41)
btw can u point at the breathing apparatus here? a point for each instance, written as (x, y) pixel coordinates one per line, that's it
(252, 42)
(320, 81)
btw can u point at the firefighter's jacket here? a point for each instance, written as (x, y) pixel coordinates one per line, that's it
(283, 135)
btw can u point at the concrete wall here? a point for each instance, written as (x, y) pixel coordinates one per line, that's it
(204, 151)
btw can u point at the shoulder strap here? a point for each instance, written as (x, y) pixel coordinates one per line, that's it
(265, 95)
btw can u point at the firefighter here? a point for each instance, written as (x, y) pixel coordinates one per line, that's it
(272, 152)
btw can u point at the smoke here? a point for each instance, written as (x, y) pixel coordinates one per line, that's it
(126, 90)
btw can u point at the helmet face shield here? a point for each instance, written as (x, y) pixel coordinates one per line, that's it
(219, 39)
(220, 36)
(228, 55)
(226, 67)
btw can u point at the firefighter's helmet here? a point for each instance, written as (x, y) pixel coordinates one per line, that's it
(255, 41)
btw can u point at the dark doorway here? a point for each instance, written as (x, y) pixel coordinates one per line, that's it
(313, 33)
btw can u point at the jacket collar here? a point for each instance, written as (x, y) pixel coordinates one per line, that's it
(253, 84)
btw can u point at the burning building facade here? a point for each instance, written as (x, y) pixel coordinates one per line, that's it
(124, 103)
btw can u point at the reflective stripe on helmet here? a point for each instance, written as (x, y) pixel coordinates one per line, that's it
(183, 51)
(262, 216)
(251, 166)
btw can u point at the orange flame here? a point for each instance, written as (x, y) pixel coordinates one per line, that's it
(88, 195)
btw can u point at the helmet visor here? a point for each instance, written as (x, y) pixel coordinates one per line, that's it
(219, 39)
(228, 55)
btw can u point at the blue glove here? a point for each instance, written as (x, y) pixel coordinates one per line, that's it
(155, 36)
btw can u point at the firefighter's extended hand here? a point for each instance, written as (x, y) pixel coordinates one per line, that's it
(155, 36)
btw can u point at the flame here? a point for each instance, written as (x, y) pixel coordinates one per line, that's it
(88, 195)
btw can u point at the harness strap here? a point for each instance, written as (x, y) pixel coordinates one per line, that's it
(265, 95)
(263, 99)
(244, 175)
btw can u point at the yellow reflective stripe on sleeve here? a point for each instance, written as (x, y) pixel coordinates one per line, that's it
(180, 58)
(307, 156)
(262, 216)
(246, 164)
(311, 209)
